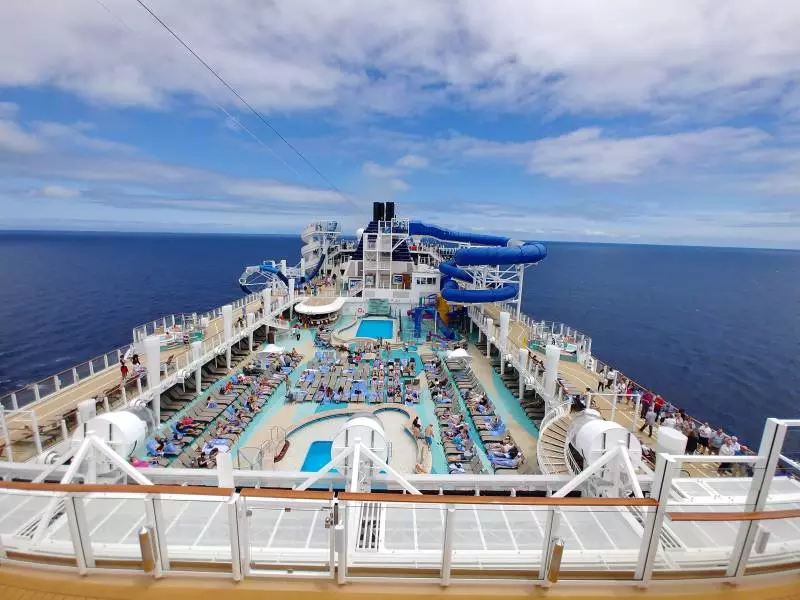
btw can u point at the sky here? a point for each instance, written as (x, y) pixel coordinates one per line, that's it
(671, 122)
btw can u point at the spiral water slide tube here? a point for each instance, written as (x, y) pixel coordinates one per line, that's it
(496, 250)
(300, 281)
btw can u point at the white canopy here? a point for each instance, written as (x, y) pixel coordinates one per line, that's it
(273, 349)
(320, 306)
(458, 353)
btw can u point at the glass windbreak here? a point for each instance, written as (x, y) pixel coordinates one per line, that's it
(113, 524)
(702, 546)
(196, 529)
(288, 536)
(21, 514)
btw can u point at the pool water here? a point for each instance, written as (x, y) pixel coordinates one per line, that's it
(318, 455)
(375, 328)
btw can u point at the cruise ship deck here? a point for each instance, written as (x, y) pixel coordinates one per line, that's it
(346, 424)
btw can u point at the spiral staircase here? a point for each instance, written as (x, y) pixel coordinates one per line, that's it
(551, 450)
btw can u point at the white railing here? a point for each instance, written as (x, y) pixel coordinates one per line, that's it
(33, 393)
(39, 390)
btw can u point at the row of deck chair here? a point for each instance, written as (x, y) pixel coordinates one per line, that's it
(454, 456)
(469, 386)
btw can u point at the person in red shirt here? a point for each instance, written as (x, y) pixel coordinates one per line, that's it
(658, 405)
(123, 369)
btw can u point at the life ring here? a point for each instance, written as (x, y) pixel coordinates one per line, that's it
(360, 311)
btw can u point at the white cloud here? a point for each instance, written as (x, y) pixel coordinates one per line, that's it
(402, 57)
(413, 161)
(373, 169)
(56, 191)
(275, 190)
(14, 139)
(398, 185)
(588, 155)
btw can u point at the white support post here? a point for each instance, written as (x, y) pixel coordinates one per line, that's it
(233, 530)
(225, 470)
(340, 533)
(489, 331)
(251, 321)
(152, 356)
(283, 266)
(227, 328)
(79, 532)
(763, 474)
(666, 466)
(523, 363)
(106, 405)
(64, 429)
(6, 436)
(550, 533)
(302, 267)
(551, 358)
(291, 296)
(154, 518)
(447, 546)
(502, 343)
(197, 353)
(243, 535)
(266, 300)
(37, 439)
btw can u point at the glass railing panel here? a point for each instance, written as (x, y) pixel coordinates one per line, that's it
(20, 513)
(700, 548)
(600, 542)
(777, 542)
(83, 371)
(487, 538)
(113, 525)
(46, 387)
(196, 528)
(288, 535)
(98, 364)
(25, 396)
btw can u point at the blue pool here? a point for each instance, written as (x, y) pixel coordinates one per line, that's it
(375, 328)
(318, 455)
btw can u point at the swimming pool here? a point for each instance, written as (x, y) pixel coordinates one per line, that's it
(375, 328)
(318, 455)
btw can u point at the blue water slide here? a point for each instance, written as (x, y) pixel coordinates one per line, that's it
(498, 250)
(450, 235)
(275, 270)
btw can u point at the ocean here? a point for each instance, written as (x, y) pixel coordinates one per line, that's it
(714, 330)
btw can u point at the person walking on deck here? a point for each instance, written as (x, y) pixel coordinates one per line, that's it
(649, 421)
(123, 369)
(703, 435)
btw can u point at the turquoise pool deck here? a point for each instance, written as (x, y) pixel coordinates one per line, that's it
(505, 403)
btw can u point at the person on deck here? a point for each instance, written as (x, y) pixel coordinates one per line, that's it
(649, 421)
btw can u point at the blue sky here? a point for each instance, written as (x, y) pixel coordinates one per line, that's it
(678, 123)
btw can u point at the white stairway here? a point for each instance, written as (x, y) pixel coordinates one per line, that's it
(550, 448)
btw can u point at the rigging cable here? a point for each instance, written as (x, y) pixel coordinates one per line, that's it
(258, 115)
(221, 108)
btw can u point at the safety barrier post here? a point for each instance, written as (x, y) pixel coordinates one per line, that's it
(763, 474)
(79, 533)
(550, 533)
(447, 546)
(665, 470)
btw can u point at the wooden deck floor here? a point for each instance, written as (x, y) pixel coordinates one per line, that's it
(52, 409)
(581, 378)
(17, 583)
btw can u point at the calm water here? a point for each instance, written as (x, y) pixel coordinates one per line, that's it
(715, 330)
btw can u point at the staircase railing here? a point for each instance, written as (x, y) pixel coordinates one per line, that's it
(555, 413)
